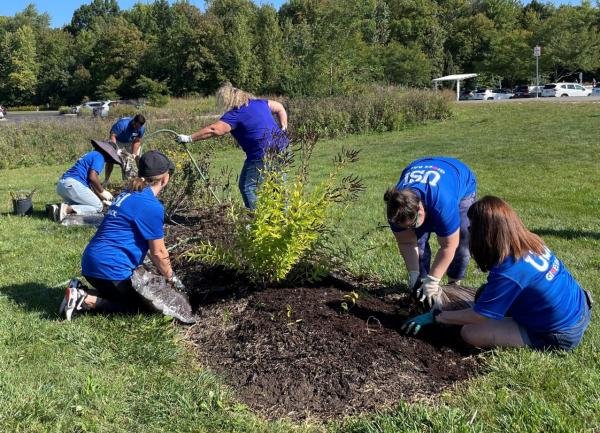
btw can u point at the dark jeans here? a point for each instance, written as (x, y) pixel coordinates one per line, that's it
(249, 179)
(116, 296)
(458, 266)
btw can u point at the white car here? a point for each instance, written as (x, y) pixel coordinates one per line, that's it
(491, 94)
(564, 90)
(99, 108)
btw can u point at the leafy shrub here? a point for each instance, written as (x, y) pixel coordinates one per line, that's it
(188, 190)
(24, 108)
(378, 110)
(290, 218)
(64, 110)
(122, 110)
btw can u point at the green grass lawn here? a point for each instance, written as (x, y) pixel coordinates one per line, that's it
(135, 374)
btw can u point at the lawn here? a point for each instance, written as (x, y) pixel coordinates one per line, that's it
(136, 374)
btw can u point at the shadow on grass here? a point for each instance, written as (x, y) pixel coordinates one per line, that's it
(35, 297)
(567, 233)
(37, 214)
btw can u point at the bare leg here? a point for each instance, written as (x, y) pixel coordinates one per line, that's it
(493, 333)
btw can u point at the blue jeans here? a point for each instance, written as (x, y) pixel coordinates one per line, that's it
(566, 339)
(458, 266)
(81, 199)
(249, 179)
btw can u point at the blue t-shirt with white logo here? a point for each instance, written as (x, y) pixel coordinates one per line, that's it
(121, 242)
(537, 291)
(441, 183)
(254, 128)
(80, 171)
(123, 129)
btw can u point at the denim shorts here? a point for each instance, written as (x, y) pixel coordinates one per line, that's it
(566, 339)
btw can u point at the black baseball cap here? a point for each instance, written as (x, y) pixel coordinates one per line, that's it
(155, 163)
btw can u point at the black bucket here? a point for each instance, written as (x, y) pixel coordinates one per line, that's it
(23, 206)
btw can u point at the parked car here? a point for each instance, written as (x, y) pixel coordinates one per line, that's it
(564, 89)
(465, 95)
(99, 108)
(525, 91)
(2, 112)
(595, 91)
(491, 94)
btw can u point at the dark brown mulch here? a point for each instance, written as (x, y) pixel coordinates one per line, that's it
(296, 352)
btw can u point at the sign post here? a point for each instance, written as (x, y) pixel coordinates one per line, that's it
(537, 52)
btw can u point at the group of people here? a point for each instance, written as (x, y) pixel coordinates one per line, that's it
(530, 298)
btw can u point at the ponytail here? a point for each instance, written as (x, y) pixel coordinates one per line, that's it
(138, 184)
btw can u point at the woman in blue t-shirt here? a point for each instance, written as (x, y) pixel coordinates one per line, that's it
(80, 185)
(530, 298)
(250, 121)
(432, 196)
(133, 226)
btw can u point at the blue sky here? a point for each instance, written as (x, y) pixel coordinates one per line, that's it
(61, 11)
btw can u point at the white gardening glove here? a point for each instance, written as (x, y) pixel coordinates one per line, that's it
(430, 290)
(177, 283)
(413, 279)
(106, 195)
(184, 138)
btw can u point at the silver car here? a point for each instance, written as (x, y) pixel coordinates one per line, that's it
(492, 94)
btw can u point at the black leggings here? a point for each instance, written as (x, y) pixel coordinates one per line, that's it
(116, 296)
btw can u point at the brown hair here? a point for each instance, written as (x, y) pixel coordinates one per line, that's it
(497, 233)
(401, 205)
(137, 184)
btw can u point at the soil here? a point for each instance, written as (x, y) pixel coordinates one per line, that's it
(297, 352)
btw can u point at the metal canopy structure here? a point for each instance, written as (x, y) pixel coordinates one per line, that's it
(457, 77)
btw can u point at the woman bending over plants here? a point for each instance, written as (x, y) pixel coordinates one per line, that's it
(250, 121)
(530, 298)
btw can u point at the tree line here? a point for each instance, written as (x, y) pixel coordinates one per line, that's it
(306, 48)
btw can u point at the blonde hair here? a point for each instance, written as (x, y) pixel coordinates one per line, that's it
(229, 97)
(137, 184)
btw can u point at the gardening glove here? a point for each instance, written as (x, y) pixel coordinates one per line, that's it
(107, 202)
(414, 325)
(106, 195)
(184, 138)
(177, 283)
(430, 290)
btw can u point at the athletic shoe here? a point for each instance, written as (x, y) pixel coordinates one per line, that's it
(53, 212)
(62, 212)
(73, 300)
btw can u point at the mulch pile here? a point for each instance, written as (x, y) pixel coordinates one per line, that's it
(296, 352)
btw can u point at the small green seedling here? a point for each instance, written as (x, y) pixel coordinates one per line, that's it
(352, 298)
(290, 316)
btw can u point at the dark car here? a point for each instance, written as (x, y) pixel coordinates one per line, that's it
(465, 95)
(525, 91)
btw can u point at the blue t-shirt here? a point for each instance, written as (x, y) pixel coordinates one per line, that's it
(254, 128)
(121, 242)
(123, 129)
(441, 183)
(538, 292)
(80, 171)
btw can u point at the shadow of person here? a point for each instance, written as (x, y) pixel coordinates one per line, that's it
(36, 298)
(566, 233)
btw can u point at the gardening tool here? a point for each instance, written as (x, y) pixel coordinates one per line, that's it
(170, 131)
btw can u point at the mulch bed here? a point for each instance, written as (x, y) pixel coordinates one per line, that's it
(296, 352)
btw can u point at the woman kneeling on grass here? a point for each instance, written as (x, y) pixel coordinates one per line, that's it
(132, 226)
(80, 185)
(530, 298)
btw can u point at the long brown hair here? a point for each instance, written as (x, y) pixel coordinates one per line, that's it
(137, 184)
(497, 233)
(401, 205)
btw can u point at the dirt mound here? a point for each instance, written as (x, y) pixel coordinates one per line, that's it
(297, 352)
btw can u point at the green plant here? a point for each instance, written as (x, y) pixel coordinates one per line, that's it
(22, 194)
(289, 313)
(290, 217)
(351, 300)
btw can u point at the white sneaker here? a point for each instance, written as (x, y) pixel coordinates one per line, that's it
(73, 300)
(62, 211)
(53, 212)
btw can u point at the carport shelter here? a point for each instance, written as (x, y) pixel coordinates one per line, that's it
(457, 77)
